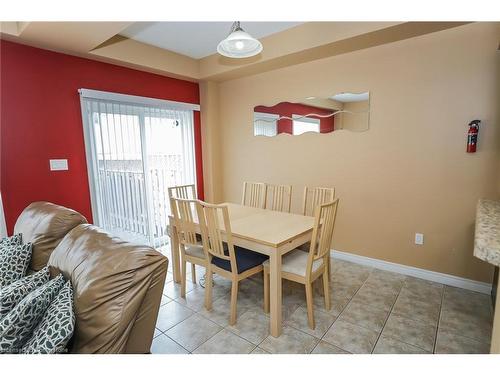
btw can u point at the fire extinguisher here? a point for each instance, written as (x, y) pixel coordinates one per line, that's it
(472, 135)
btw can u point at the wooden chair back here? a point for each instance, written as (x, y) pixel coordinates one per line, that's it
(279, 197)
(315, 196)
(215, 230)
(324, 224)
(185, 213)
(182, 191)
(254, 194)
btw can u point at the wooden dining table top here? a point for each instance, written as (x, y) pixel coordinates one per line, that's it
(270, 228)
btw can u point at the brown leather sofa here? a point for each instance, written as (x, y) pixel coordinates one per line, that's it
(117, 285)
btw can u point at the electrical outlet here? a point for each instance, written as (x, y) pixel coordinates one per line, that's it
(419, 238)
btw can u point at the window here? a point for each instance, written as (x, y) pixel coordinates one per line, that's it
(265, 124)
(303, 125)
(136, 148)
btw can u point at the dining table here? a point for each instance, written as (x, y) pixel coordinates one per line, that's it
(264, 231)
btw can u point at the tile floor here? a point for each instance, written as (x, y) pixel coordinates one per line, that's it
(373, 311)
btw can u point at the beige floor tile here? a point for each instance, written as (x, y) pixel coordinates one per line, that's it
(350, 337)
(388, 276)
(173, 289)
(433, 298)
(466, 324)
(468, 302)
(193, 331)
(291, 341)
(258, 350)
(164, 300)
(424, 288)
(170, 314)
(325, 348)
(412, 332)
(225, 342)
(338, 302)
(350, 270)
(299, 320)
(376, 298)
(364, 315)
(388, 345)
(384, 285)
(165, 345)
(252, 326)
(221, 310)
(417, 309)
(169, 276)
(449, 343)
(195, 299)
(343, 286)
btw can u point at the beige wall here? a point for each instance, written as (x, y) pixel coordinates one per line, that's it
(409, 173)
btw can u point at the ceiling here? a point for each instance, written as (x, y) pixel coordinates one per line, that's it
(285, 43)
(348, 97)
(196, 39)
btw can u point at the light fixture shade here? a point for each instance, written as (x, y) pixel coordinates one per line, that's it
(239, 44)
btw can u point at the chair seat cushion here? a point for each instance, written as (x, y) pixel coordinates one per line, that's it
(195, 251)
(245, 259)
(296, 262)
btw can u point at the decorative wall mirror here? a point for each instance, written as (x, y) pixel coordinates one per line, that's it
(343, 111)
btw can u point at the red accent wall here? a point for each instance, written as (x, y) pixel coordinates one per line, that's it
(288, 109)
(40, 119)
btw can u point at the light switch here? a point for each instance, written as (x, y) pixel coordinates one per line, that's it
(58, 164)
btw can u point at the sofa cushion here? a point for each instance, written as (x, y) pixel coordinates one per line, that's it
(14, 262)
(12, 294)
(16, 239)
(44, 224)
(17, 326)
(111, 280)
(56, 326)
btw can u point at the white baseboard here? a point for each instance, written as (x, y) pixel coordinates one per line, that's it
(438, 277)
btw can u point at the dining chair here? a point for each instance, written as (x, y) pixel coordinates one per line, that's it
(279, 197)
(314, 196)
(254, 194)
(225, 259)
(183, 192)
(185, 213)
(305, 268)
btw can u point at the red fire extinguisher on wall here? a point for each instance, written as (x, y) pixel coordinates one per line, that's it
(472, 135)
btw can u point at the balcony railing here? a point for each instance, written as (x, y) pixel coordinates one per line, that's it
(130, 212)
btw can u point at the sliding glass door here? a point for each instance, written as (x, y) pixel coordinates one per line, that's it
(135, 151)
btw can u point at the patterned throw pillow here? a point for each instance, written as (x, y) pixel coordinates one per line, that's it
(14, 262)
(17, 326)
(15, 292)
(56, 327)
(16, 239)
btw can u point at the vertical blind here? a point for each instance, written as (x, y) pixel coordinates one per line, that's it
(136, 148)
(265, 124)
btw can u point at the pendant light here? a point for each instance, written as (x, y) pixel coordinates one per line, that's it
(239, 44)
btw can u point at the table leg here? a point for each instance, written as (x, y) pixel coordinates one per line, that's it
(275, 293)
(174, 250)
